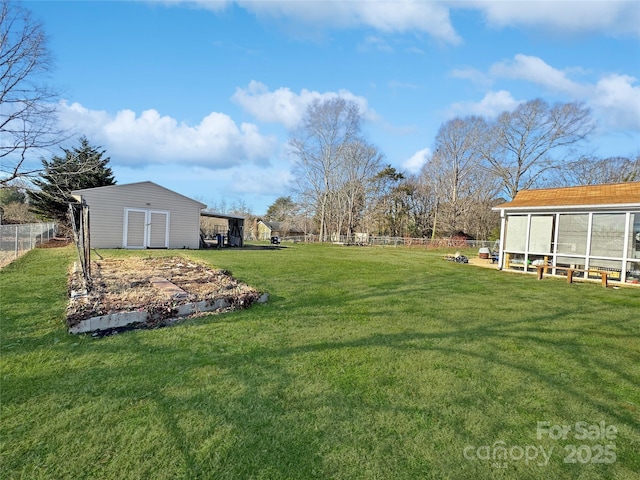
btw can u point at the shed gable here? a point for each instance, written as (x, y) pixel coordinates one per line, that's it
(108, 207)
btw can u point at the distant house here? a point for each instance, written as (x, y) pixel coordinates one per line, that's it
(591, 228)
(266, 230)
(141, 215)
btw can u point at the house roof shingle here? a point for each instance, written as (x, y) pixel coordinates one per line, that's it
(597, 195)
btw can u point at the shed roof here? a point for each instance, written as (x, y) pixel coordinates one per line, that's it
(138, 185)
(611, 194)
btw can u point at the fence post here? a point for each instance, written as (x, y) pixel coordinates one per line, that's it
(16, 241)
(86, 236)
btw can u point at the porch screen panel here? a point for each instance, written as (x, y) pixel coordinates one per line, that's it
(516, 233)
(607, 234)
(634, 241)
(541, 234)
(572, 234)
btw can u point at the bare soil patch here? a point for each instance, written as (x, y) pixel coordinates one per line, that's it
(124, 284)
(56, 242)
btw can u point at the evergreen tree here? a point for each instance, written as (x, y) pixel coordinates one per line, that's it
(11, 194)
(79, 168)
(282, 209)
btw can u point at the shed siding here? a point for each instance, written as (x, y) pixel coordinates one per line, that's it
(107, 206)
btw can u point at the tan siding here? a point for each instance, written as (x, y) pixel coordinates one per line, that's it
(135, 228)
(107, 206)
(158, 229)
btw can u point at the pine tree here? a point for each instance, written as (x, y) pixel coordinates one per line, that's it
(79, 168)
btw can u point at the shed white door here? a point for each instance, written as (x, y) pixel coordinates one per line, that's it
(158, 229)
(146, 228)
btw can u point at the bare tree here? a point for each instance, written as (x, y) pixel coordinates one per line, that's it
(454, 172)
(361, 162)
(319, 144)
(27, 105)
(594, 171)
(518, 146)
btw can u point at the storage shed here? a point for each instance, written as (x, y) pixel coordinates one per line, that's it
(591, 229)
(141, 215)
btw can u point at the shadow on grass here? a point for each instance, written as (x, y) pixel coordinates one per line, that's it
(280, 410)
(265, 394)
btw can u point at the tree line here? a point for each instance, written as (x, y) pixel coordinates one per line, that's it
(343, 185)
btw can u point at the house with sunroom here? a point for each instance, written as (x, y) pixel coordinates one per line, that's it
(590, 229)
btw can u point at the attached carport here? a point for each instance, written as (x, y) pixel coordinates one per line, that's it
(235, 232)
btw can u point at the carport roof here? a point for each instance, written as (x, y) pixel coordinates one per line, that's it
(209, 213)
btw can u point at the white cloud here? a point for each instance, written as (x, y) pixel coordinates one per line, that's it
(217, 142)
(614, 98)
(286, 107)
(417, 161)
(397, 85)
(492, 105)
(271, 181)
(375, 43)
(536, 70)
(611, 17)
(472, 74)
(608, 16)
(387, 16)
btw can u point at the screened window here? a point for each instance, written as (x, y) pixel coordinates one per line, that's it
(570, 262)
(572, 234)
(541, 234)
(634, 241)
(633, 272)
(607, 234)
(614, 267)
(516, 233)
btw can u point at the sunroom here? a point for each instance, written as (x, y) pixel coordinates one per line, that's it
(589, 229)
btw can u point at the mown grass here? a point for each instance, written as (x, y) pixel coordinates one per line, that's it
(366, 363)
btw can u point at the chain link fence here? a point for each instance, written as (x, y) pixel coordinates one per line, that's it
(18, 239)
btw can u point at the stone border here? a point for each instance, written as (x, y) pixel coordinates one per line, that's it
(145, 317)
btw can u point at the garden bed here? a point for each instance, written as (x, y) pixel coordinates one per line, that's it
(125, 292)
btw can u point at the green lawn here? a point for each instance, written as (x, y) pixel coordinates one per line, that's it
(366, 363)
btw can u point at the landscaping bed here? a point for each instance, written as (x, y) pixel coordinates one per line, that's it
(125, 285)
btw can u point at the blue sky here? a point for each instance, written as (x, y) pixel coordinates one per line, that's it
(200, 96)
